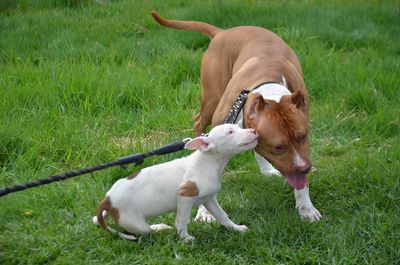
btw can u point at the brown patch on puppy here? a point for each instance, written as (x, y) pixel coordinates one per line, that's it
(188, 189)
(105, 205)
(133, 175)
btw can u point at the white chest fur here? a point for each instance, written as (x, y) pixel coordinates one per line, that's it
(272, 91)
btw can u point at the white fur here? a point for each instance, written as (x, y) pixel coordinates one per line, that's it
(305, 206)
(297, 160)
(265, 167)
(154, 190)
(273, 91)
(284, 83)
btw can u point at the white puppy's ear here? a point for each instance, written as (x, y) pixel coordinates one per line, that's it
(199, 143)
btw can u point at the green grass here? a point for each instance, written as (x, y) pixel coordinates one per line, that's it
(84, 82)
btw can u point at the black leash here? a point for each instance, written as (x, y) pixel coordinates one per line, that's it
(135, 158)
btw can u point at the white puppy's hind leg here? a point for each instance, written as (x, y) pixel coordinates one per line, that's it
(203, 215)
(133, 224)
(265, 167)
(122, 235)
(159, 227)
(305, 206)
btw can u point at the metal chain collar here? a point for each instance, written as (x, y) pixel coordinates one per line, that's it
(237, 107)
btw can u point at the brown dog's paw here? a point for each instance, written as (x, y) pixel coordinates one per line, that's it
(309, 212)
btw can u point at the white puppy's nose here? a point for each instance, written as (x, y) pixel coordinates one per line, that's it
(253, 131)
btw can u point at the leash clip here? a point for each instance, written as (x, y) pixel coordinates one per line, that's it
(186, 140)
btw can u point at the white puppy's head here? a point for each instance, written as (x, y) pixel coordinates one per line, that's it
(225, 139)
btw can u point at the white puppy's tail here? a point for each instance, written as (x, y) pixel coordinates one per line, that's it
(102, 210)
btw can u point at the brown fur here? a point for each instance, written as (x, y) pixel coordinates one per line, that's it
(188, 189)
(242, 58)
(105, 205)
(286, 126)
(202, 27)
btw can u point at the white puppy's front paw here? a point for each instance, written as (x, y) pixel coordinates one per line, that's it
(204, 216)
(241, 228)
(309, 212)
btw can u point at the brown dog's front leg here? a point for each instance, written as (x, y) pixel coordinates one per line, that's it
(198, 126)
(203, 119)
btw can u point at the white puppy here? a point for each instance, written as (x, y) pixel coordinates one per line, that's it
(177, 185)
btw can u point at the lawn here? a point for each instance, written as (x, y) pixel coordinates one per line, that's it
(85, 82)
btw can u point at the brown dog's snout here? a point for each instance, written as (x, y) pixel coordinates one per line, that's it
(303, 167)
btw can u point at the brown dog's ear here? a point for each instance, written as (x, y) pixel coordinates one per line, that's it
(260, 103)
(257, 106)
(298, 99)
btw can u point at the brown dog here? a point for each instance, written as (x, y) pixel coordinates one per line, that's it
(245, 58)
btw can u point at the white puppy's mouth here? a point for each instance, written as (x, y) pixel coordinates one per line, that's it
(249, 143)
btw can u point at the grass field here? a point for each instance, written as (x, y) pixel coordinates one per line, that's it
(84, 82)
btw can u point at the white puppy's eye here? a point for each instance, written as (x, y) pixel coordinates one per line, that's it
(230, 131)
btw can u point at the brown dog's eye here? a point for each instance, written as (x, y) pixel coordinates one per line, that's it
(279, 149)
(303, 138)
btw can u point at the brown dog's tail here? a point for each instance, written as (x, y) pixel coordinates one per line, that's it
(202, 27)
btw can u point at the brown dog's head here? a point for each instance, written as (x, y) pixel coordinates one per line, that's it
(282, 129)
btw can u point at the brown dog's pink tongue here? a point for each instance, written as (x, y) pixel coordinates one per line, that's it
(297, 182)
